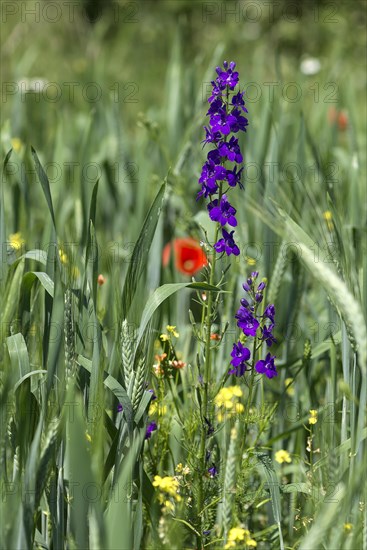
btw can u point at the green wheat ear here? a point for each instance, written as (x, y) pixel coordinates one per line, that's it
(138, 388)
(277, 275)
(69, 333)
(127, 352)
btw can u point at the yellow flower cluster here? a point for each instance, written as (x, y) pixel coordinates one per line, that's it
(237, 534)
(168, 485)
(157, 408)
(227, 402)
(180, 469)
(282, 456)
(171, 329)
(16, 240)
(313, 416)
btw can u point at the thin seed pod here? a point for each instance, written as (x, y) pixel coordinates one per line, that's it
(229, 482)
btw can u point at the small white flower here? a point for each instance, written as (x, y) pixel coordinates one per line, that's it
(310, 66)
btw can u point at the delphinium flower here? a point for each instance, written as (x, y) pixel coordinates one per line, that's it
(225, 119)
(152, 426)
(255, 325)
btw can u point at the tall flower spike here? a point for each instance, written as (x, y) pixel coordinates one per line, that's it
(225, 118)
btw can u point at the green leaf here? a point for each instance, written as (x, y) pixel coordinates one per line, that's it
(18, 354)
(28, 375)
(44, 279)
(111, 383)
(91, 256)
(78, 470)
(160, 295)
(274, 488)
(43, 179)
(13, 294)
(140, 253)
(3, 236)
(36, 255)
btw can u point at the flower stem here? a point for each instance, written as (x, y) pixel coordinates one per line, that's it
(207, 377)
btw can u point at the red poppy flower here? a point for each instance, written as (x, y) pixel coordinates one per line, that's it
(189, 257)
(338, 117)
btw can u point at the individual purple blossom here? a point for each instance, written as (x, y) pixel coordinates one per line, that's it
(207, 188)
(269, 312)
(231, 150)
(213, 471)
(216, 91)
(227, 244)
(233, 177)
(237, 121)
(211, 137)
(228, 77)
(240, 355)
(221, 122)
(216, 107)
(266, 366)
(238, 101)
(222, 212)
(150, 429)
(247, 322)
(267, 335)
(119, 408)
(215, 156)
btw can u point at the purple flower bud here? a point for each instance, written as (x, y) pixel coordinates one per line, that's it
(261, 286)
(258, 298)
(150, 429)
(213, 471)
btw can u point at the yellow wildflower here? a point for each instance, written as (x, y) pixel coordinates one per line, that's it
(348, 527)
(328, 217)
(180, 469)
(164, 337)
(250, 261)
(63, 256)
(226, 401)
(172, 330)
(167, 484)
(282, 456)
(290, 389)
(313, 416)
(157, 408)
(16, 240)
(170, 507)
(237, 534)
(16, 144)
